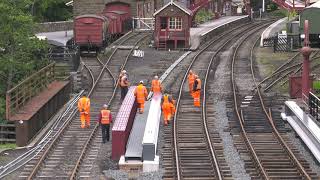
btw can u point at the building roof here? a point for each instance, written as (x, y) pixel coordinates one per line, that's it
(314, 5)
(313, 1)
(178, 5)
(90, 16)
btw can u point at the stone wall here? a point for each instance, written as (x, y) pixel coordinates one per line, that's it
(55, 26)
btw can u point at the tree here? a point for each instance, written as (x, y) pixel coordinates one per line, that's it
(50, 10)
(21, 53)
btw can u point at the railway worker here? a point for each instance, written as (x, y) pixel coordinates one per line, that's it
(156, 87)
(84, 109)
(105, 118)
(168, 108)
(197, 91)
(123, 83)
(141, 94)
(191, 78)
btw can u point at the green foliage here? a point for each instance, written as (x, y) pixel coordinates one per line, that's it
(50, 10)
(203, 16)
(272, 7)
(21, 53)
(7, 146)
(279, 13)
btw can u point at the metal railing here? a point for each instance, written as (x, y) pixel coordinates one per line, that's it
(28, 88)
(314, 105)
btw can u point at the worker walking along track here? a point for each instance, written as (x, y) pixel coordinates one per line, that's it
(198, 149)
(63, 156)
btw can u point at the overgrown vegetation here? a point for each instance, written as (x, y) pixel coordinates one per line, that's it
(50, 10)
(7, 146)
(203, 16)
(21, 53)
(284, 13)
(279, 13)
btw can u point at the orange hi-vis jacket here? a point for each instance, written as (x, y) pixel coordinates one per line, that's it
(191, 78)
(167, 106)
(141, 93)
(105, 114)
(84, 105)
(156, 86)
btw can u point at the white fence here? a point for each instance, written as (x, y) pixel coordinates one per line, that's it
(143, 24)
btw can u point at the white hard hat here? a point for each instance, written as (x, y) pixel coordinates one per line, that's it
(156, 77)
(124, 71)
(141, 82)
(105, 106)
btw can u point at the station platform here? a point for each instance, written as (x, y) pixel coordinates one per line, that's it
(134, 145)
(58, 38)
(273, 29)
(304, 125)
(197, 33)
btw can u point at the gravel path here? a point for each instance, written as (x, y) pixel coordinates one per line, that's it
(220, 88)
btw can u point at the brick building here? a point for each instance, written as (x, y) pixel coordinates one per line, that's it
(81, 7)
(172, 27)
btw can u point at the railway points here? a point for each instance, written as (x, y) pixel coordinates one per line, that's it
(237, 131)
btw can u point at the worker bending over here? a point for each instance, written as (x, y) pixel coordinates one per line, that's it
(105, 118)
(191, 78)
(141, 94)
(84, 109)
(124, 84)
(197, 91)
(168, 108)
(156, 87)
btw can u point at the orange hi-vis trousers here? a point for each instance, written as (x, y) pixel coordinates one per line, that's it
(141, 106)
(85, 120)
(196, 98)
(191, 88)
(166, 117)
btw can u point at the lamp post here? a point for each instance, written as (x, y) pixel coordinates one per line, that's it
(306, 51)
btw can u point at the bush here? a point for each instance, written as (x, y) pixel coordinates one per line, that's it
(203, 16)
(279, 13)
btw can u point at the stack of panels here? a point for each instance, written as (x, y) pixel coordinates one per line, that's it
(123, 124)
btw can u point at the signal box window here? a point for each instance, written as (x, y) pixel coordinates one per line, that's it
(163, 22)
(175, 23)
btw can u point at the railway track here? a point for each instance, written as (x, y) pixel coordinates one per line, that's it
(198, 150)
(291, 67)
(256, 135)
(73, 146)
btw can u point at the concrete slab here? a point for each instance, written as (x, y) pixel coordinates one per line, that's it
(304, 126)
(203, 29)
(58, 38)
(150, 138)
(134, 145)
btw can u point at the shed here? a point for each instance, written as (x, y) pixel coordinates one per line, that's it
(172, 26)
(311, 13)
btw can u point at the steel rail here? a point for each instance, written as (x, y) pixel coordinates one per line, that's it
(279, 68)
(268, 115)
(216, 164)
(30, 154)
(36, 168)
(59, 133)
(240, 114)
(83, 152)
(299, 69)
